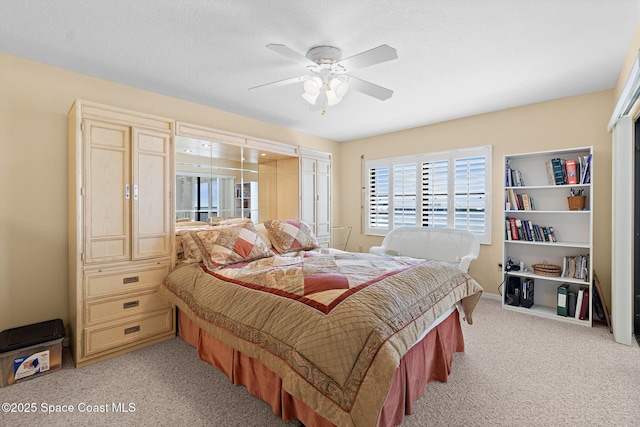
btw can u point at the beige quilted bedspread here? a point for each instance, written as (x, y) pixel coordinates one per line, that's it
(333, 325)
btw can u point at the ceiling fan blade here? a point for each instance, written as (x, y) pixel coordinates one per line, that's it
(282, 82)
(293, 55)
(369, 57)
(370, 89)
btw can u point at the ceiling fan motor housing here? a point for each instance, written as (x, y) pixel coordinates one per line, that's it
(324, 55)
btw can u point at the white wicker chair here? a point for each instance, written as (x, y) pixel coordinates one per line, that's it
(458, 247)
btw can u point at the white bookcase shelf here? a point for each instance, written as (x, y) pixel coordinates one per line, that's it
(573, 230)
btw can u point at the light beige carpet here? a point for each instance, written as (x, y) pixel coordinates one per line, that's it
(517, 370)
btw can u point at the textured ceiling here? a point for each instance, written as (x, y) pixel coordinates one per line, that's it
(456, 58)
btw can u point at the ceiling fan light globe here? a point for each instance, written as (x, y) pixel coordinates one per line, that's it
(311, 99)
(332, 98)
(312, 86)
(342, 89)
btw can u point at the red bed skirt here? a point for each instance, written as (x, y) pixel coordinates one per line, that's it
(426, 361)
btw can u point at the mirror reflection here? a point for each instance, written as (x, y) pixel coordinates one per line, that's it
(218, 180)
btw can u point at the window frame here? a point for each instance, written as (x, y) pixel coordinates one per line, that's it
(386, 221)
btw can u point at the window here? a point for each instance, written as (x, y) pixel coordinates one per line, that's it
(447, 189)
(199, 197)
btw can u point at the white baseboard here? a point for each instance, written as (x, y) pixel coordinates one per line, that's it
(495, 297)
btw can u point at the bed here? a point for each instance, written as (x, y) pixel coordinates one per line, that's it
(324, 336)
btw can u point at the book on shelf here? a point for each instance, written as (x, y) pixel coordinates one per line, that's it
(519, 229)
(507, 229)
(518, 181)
(584, 308)
(532, 234)
(512, 177)
(563, 300)
(572, 171)
(579, 299)
(525, 229)
(518, 202)
(550, 176)
(584, 163)
(571, 304)
(538, 233)
(514, 200)
(514, 229)
(576, 267)
(559, 171)
(575, 300)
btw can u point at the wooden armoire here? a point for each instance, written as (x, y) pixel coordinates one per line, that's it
(121, 224)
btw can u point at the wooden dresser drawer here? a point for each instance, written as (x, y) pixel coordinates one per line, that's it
(108, 309)
(103, 283)
(109, 337)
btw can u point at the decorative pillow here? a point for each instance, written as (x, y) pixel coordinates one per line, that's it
(228, 244)
(190, 249)
(264, 234)
(290, 235)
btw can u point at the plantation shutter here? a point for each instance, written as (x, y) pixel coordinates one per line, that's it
(435, 190)
(470, 187)
(447, 189)
(404, 195)
(378, 180)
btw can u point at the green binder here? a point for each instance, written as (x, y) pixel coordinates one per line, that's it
(563, 300)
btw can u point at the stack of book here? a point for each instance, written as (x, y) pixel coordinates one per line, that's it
(569, 172)
(523, 229)
(573, 302)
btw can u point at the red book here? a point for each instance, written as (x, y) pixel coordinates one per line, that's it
(514, 229)
(584, 310)
(572, 177)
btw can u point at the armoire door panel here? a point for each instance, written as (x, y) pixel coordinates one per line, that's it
(106, 207)
(109, 249)
(151, 217)
(308, 192)
(323, 205)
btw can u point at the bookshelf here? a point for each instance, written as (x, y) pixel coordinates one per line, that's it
(545, 213)
(246, 200)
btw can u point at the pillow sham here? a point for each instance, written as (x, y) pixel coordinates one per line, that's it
(290, 235)
(190, 249)
(229, 244)
(264, 234)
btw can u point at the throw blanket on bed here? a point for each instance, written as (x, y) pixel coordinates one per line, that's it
(333, 325)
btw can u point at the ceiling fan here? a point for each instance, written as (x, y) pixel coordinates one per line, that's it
(328, 81)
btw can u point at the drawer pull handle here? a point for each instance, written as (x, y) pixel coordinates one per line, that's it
(133, 279)
(131, 304)
(132, 329)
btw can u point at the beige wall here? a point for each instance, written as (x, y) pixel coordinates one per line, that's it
(35, 98)
(34, 101)
(565, 123)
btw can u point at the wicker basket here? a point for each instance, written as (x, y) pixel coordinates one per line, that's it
(545, 269)
(576, 203)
